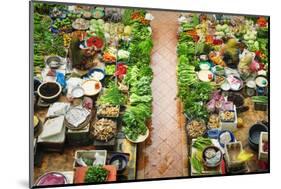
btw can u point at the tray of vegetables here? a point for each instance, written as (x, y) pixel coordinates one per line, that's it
(110, 69)
(135, 122)
(73, 16)
(108, 111)
(111, 96)
(96, 174)
(80, 24)
(196, 128)
(227, 116)
(110, 55)
(61, 25)
(104, 129)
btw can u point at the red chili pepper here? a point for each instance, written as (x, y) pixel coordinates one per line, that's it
(97, 86)
(209, 39)
(95, 41)
(217, 41)
(258, 53)
(262, 22)
(121, 70)
(261, 66)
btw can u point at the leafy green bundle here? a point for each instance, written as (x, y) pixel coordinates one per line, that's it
(191, 91)
(111, 96)
(96, 174)
(135, 120)
(45, 43)
(138, 78)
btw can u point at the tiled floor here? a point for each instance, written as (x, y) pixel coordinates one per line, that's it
(165, 153)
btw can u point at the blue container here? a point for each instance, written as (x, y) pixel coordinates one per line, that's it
(231, 136)
(213, 133)
(91, 71)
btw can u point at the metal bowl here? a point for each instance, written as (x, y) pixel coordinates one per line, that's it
(53, 62)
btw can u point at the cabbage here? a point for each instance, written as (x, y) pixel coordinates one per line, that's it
(127, 30)
(100, 21)
(107, 27)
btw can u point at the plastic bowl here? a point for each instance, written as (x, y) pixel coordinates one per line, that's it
(49, 91)
(231, 136)
(204, 156)
(122, 159)
(218, 70)
(96, 70)
(36, 83)
(254, 135)
(212, 133)
(51, 178)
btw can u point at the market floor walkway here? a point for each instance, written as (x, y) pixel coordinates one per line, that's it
(165, 153)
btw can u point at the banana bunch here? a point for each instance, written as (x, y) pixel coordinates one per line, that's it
(66, 40)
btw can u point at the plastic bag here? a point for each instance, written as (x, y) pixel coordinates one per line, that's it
(61, 79)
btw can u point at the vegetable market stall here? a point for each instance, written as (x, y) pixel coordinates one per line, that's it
(92, 94)
(223, 86)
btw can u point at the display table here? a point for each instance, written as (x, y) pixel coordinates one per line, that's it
(249, 117)
(63, 161)
(207, 171)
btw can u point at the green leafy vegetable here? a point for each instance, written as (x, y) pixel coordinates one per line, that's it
(134, 98)
(142, 86)
(186, 76)
(196, 164)
(111, 96)
(260, 99)
(110, 69)
(138, 78)
(96, 174)
(126, 17)
(192, 92)
(45, 43)
(135, 120)
(201, 142)
(195, 98)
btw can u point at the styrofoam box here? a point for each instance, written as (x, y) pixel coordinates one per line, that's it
(263, 155)
(90, 154)
(231, 163)
(231, 126)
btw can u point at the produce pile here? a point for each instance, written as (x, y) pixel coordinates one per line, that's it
(222, 60)
(119, 41)
(104, 129)
(222, 48)
(92, 72)
(45, 43)
(99, 58)
(139, 75)
(96, 174)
